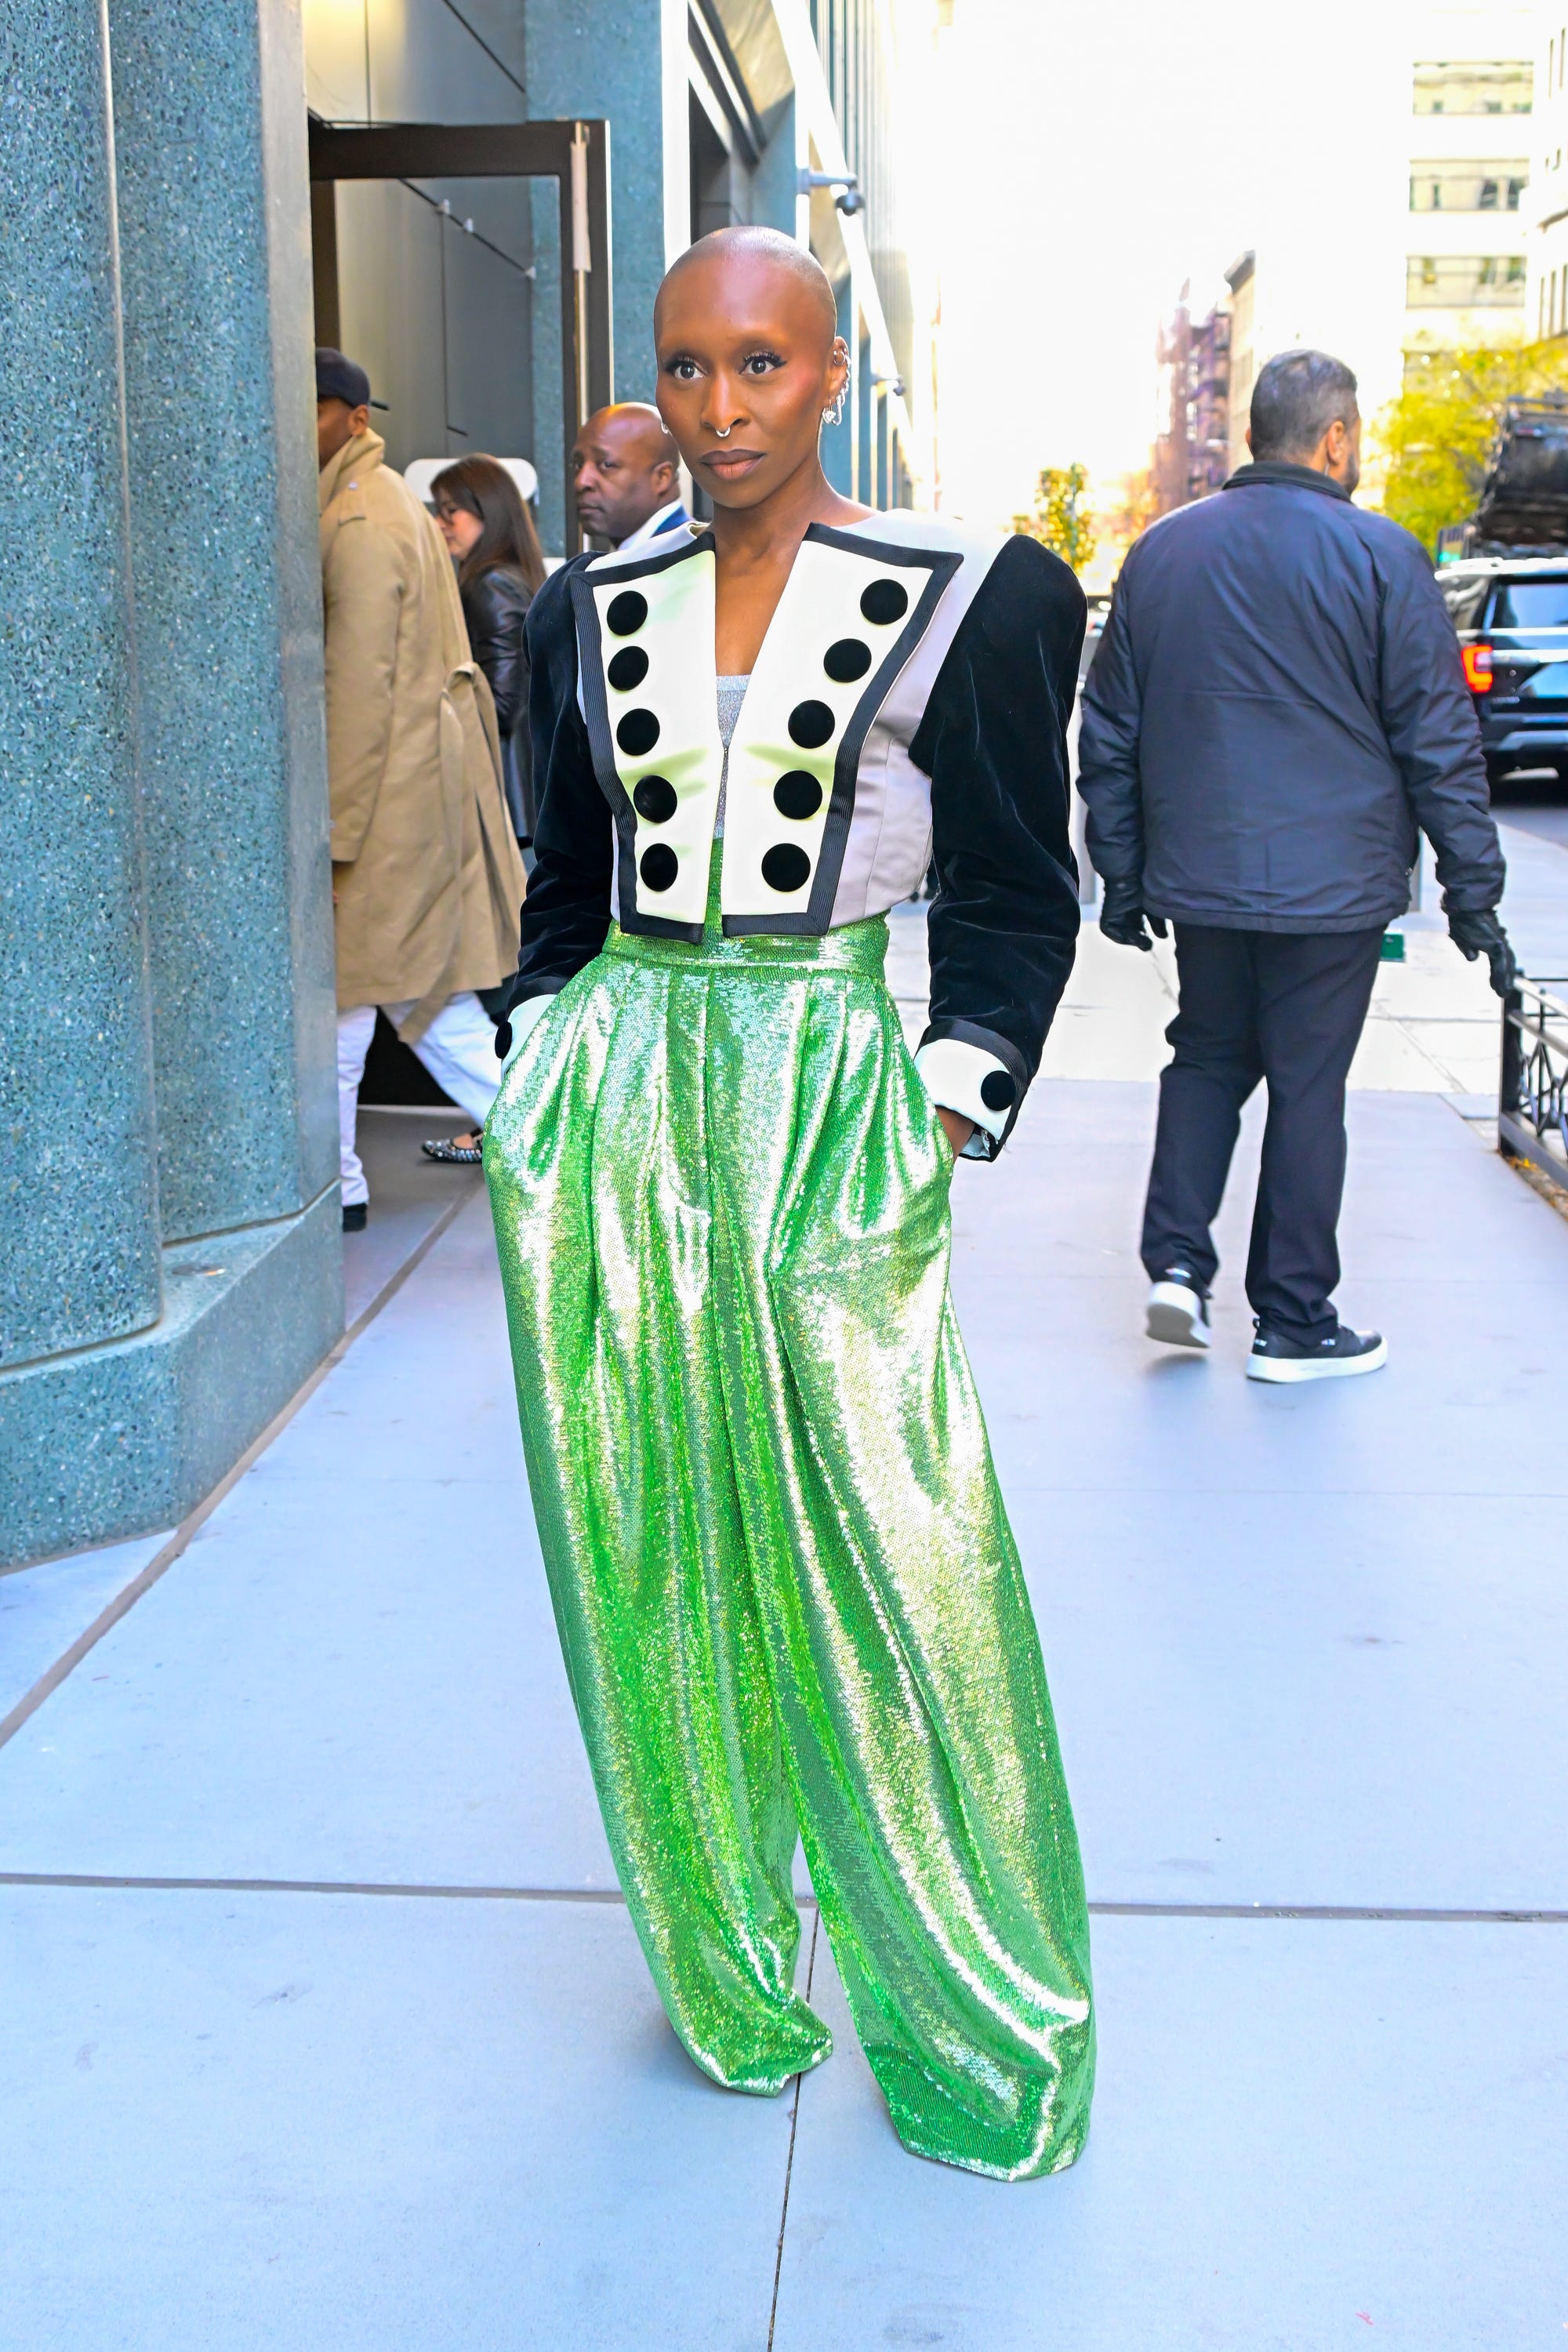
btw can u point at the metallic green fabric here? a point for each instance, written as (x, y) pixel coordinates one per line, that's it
(784, 1577)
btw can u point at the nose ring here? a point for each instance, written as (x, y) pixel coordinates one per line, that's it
(723, 431)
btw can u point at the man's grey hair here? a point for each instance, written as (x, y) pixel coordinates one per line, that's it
(1297, 397)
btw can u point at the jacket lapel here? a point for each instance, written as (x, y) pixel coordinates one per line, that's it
(645, 633)
(852, 614)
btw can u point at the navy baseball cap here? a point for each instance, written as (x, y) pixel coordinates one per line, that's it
(337, 378)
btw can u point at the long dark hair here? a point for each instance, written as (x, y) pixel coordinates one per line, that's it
(484, 489)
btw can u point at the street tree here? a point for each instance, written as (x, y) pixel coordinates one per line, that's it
(1436, 435)
(1060, 517)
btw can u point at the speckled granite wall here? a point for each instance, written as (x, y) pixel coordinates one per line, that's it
(143, 1360)
(603, 57)
(220, 401)
(77, 1186)
(154, 1423)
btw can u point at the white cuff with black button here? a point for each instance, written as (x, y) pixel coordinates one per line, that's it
(966, 1080)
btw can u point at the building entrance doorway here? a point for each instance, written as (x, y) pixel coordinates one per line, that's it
(478, 296)
(481, 313)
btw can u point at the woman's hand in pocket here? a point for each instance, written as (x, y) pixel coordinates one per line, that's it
(955, 1127)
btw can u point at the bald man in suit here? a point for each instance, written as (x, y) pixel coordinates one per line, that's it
(625, 475)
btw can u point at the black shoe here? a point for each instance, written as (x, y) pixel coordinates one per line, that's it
(1177, 1310)
(448, 1149)
(1275, 1358)
(355, 1213)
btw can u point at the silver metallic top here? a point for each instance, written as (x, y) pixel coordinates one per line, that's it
(731, 694)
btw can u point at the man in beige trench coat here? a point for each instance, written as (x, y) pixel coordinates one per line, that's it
(426, 876)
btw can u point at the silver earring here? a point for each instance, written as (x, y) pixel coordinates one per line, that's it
(835, 415)
(723, 431)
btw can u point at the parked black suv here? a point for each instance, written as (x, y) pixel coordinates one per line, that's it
(1511, 615)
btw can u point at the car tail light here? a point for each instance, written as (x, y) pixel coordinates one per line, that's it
(1478, 660)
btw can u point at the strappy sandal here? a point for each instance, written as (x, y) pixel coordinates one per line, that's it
(453, 1150)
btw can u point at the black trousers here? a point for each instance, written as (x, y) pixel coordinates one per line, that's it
(1288, 1009)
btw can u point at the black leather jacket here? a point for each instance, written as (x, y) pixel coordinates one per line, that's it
(495, 607)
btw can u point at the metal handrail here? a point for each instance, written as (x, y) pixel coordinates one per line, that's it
(1532, 1083)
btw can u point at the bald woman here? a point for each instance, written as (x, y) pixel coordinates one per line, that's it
(787, 1588)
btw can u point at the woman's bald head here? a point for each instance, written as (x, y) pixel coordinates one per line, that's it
(757, 268)
(748, 362)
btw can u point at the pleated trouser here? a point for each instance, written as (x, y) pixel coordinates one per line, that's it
(785, 1581)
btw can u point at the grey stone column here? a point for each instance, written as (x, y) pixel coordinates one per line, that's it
(150, 1344)
(79, 1262)
(605, 58)
(220, 398)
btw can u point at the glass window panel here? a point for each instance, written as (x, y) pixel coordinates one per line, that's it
(1474, 85)
(1464, 281)
(1465, 187)
(1532, 604)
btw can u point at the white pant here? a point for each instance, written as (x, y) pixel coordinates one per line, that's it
(458, 1049)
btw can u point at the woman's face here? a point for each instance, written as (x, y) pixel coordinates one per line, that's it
(462, 530)
(747, 362)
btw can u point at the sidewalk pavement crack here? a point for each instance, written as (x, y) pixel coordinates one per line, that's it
(126, 1599)
(1519, 1915)
(789, 2161)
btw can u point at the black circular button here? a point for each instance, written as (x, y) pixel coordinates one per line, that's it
(627, 668)
(626, 613)
(637, 732)
(799, 794)
(998, 1090)
(810, 725)
(655, 799)
(659, 865)
(885, 602)
(786, 868)
(847, 661)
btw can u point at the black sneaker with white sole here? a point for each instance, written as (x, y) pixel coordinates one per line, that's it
(1338, 1358)
(1178, 1311)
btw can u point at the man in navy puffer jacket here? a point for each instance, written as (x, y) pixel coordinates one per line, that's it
(1277, 706)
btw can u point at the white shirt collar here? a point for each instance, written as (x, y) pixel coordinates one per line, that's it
(649, 530)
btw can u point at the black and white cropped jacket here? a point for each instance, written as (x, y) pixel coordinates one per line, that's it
(910, 700)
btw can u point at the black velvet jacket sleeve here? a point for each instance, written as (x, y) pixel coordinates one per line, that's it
(566, 912)
(993, 743)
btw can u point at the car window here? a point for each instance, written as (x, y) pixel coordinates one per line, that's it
(1530, 605)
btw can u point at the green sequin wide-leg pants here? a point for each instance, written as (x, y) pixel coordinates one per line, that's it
(784, 1580)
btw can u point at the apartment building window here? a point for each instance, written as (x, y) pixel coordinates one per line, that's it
(1473, 86)
(1467, 187)
(1464, 281)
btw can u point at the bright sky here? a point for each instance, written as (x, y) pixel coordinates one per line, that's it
(1089, 157)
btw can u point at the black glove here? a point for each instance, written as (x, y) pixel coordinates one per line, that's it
(1121, 916)
(1477, 933)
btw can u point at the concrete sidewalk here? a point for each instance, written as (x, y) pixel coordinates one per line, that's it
(325, 2028)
